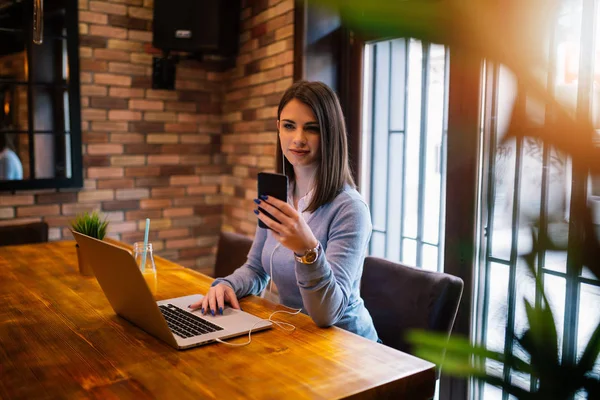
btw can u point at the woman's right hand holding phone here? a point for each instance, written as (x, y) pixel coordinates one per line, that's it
(215, 300)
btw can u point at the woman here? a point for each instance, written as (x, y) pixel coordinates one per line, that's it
(315, 254)
(10, 165)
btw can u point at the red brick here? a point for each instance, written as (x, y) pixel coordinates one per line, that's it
(92, 65)
(123, 45)
(126, 92)
(138, 81)
(143, 58)
(121, 205)
(142, 149)
(122, 227)
(160, 116)
(93, 17)
(147, 127)
(129, 2)
(108, 103)
(162, 94)
(91, 114)
(105, 172)
(125, 161)
(174, 233)
(112, 79)
(179, 212)
(142, 215)
(126, 138)
(164, 159)
(108, 31)
(152, 181)
(115, 184)
(109, 126)
(130, 194)
(93, 90)
(181, 243)
(184, 180)
(180, 106)
(54, 198)
(95, 161)
(155, 203)
(38, 211)
(181, 127)
(7, 212)
(143, 36)
(140, 12)
(142, 171)
(105, 149)
(95, 137)
(124, 115)
(126, 68)
(168, 170)
(162, 138)
(111, 55)
(108, 8)
(95, 196)
(154, 105)
(168, 192)
(92, 41)
(128, 22)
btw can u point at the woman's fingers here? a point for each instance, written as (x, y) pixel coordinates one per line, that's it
(231, 298)
(275, 212)
(270, 222)
(282, 206)
(220, 299)
(214, 301)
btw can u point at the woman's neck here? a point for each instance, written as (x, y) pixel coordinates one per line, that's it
(303, 177)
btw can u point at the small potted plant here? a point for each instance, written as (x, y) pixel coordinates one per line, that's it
(92, 225)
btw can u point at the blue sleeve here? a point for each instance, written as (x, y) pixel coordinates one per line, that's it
(326, 284)
(251, 277)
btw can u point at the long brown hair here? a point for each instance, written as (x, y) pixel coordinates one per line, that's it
(333, 171)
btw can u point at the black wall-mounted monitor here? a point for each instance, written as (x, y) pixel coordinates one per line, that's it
(207, 27)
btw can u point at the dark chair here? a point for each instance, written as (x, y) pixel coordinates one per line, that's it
(35, 232)
(401, 298)
(232, 252)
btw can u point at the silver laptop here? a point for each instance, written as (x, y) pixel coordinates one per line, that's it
(169, 320)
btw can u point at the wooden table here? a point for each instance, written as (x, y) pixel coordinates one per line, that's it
(59, 338)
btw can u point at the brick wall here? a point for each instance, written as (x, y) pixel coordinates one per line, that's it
(264, 71)
(146, 153)
(187, 158)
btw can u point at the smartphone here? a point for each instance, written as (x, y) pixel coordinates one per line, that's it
(275, 185)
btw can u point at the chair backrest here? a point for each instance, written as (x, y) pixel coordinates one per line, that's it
(232, 252)
(401, 298)
(35, 232)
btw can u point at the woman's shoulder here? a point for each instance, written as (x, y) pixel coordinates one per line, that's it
(349, 209)
(350, 200)
(349, 195)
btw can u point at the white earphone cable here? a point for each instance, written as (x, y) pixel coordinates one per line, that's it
(283, 325)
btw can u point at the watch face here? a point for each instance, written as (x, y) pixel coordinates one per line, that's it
(311, 257)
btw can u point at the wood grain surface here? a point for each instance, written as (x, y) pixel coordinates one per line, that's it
(59, 338)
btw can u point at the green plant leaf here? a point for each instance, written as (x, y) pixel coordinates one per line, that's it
(544, 341)
(90, 224)
(449, 352)
(591, 352)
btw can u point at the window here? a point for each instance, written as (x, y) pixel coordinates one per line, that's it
(404, 130)
(529, 181)
(39, 87)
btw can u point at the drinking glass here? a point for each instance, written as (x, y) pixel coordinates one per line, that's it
(149, 268)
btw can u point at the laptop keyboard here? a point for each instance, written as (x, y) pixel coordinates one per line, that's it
(186, 324)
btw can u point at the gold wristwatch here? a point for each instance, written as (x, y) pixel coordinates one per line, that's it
(309, 256)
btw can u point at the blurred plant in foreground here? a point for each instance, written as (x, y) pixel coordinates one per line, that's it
(511, 33)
